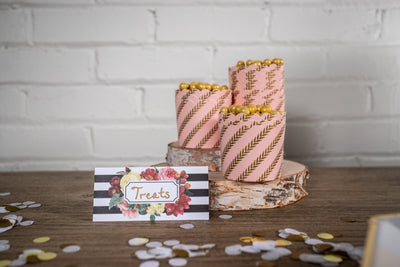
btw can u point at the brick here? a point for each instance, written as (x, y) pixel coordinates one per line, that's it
(84, 103)
(364, 63)
(96, 24)
(207, 23)
(360, 137)
(13, 26)
(300, 63)
(321, 23)
(390, 25)
(318, 101)
(152, 63)
(385, 99)
(46, 65)
(301, 139)
(159, 101)
(12, 103)
(133, 142)
(45, 142)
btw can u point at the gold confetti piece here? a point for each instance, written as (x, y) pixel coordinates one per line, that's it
(11, 208)
(32, 259)
(259, 233)
(295, 255)
(325, 236)
(181, 253)
(295, 237)
(258, 238)
(5, 223)
(266, 264)
(336, 234)
(246, 239)
(4, 263)
(333, 258)
(347, 219)
(138, 241)
(46, 256)
(283, 242)
(41, 239)
(323, 247)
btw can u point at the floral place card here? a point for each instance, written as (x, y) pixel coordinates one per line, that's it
(151, 193)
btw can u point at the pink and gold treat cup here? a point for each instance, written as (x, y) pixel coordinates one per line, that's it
(197, 107)
(252, 140)
(259, 83)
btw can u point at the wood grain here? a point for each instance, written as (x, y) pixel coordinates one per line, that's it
(66, 217)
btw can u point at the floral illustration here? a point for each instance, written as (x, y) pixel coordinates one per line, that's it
(131, 211)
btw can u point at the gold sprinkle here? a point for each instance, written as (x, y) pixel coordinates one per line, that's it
(295, 255)
(184, 86)
(46, 256)
(333, 258)
(42, 239)
(323, 247)
(240, 63)
(325, 236)
(249, 62)
(4, 263)
(267, 62)
(5, 223)
(283, 242)
(215, 86)
(181, 253)
(32, 259)
(259, 233)
(246, 239)
(266, 264)
(11, 208)
(295, 237)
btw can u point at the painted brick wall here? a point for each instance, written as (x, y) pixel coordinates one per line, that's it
(87, 83)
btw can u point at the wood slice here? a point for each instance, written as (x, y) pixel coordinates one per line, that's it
(180, 156)
(231, 195)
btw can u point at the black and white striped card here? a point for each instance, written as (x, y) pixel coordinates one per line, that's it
(151, 193)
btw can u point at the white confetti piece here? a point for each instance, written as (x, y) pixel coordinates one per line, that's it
(233, 250)
(283, 251)
(250, 249)
(154, 244)
(4, 247)
(18, 262)
(27, 203)
(4, 241)
(225, 216)
(15, 204)
(177, 262)
(160, 250)
(71, 249)
(265, 245)
(313, 241)
(143, 255)
(3, 210)
(312, 258)
(193, 254)
(171, 242)
(150, 264)
(187, 226)
(26, 223)
(21, 207)
(272, 255)
(138, 241)
(5, 194)
(207, 246)
(37, 205)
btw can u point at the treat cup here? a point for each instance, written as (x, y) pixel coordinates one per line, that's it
(252, 146)
(258, 85)
(197, 116)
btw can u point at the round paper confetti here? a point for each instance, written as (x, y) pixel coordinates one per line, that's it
(333, 258)
(5, 194)
(28, 203)
(4, 263)
(4, 247)
(233, 250)
(325, 236)
(154, 244)
(26, 223)
(150, 264)
(225, 216)
(250, 249)
(246, 239)
(282, 242)
(46, 256)
(37, 205)
(41, 239)
(177, 262)
(171, 242)
(138, 241)
(71, 249)
(187, 226)
(4, 241)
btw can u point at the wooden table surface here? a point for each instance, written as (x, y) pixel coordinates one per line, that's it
(66, 217)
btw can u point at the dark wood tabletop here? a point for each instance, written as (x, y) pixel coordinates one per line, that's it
(66, 217)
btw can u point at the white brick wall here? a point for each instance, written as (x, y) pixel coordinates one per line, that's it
(88, 83)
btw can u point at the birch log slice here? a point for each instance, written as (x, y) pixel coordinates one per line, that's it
(180, 156)
(231, 195)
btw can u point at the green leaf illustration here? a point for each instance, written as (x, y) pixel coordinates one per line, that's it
(114, 200)
(152, 218)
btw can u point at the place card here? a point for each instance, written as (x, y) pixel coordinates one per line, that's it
(151, 193)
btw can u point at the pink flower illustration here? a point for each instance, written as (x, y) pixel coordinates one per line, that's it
(168, 174)
(124, 208)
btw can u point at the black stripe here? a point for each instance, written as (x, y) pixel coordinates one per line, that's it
(115, 210)
(196, 193)
(192, 177)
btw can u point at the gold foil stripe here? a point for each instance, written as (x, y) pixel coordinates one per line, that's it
(234, 79)
(182, 104)
(250, 80)
(273, 93)
(271, 167)
(280, 105)
(233, 140)
(261, 157)
(199, 105)
(211, 113)
(256, 140)
(208, 136)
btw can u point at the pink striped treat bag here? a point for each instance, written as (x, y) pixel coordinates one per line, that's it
(197, 116)
(258, 85)
(252, 146)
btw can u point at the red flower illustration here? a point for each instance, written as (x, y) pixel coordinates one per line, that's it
(113, 190)
(149, 174)
(115, 181)
(179, 206)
